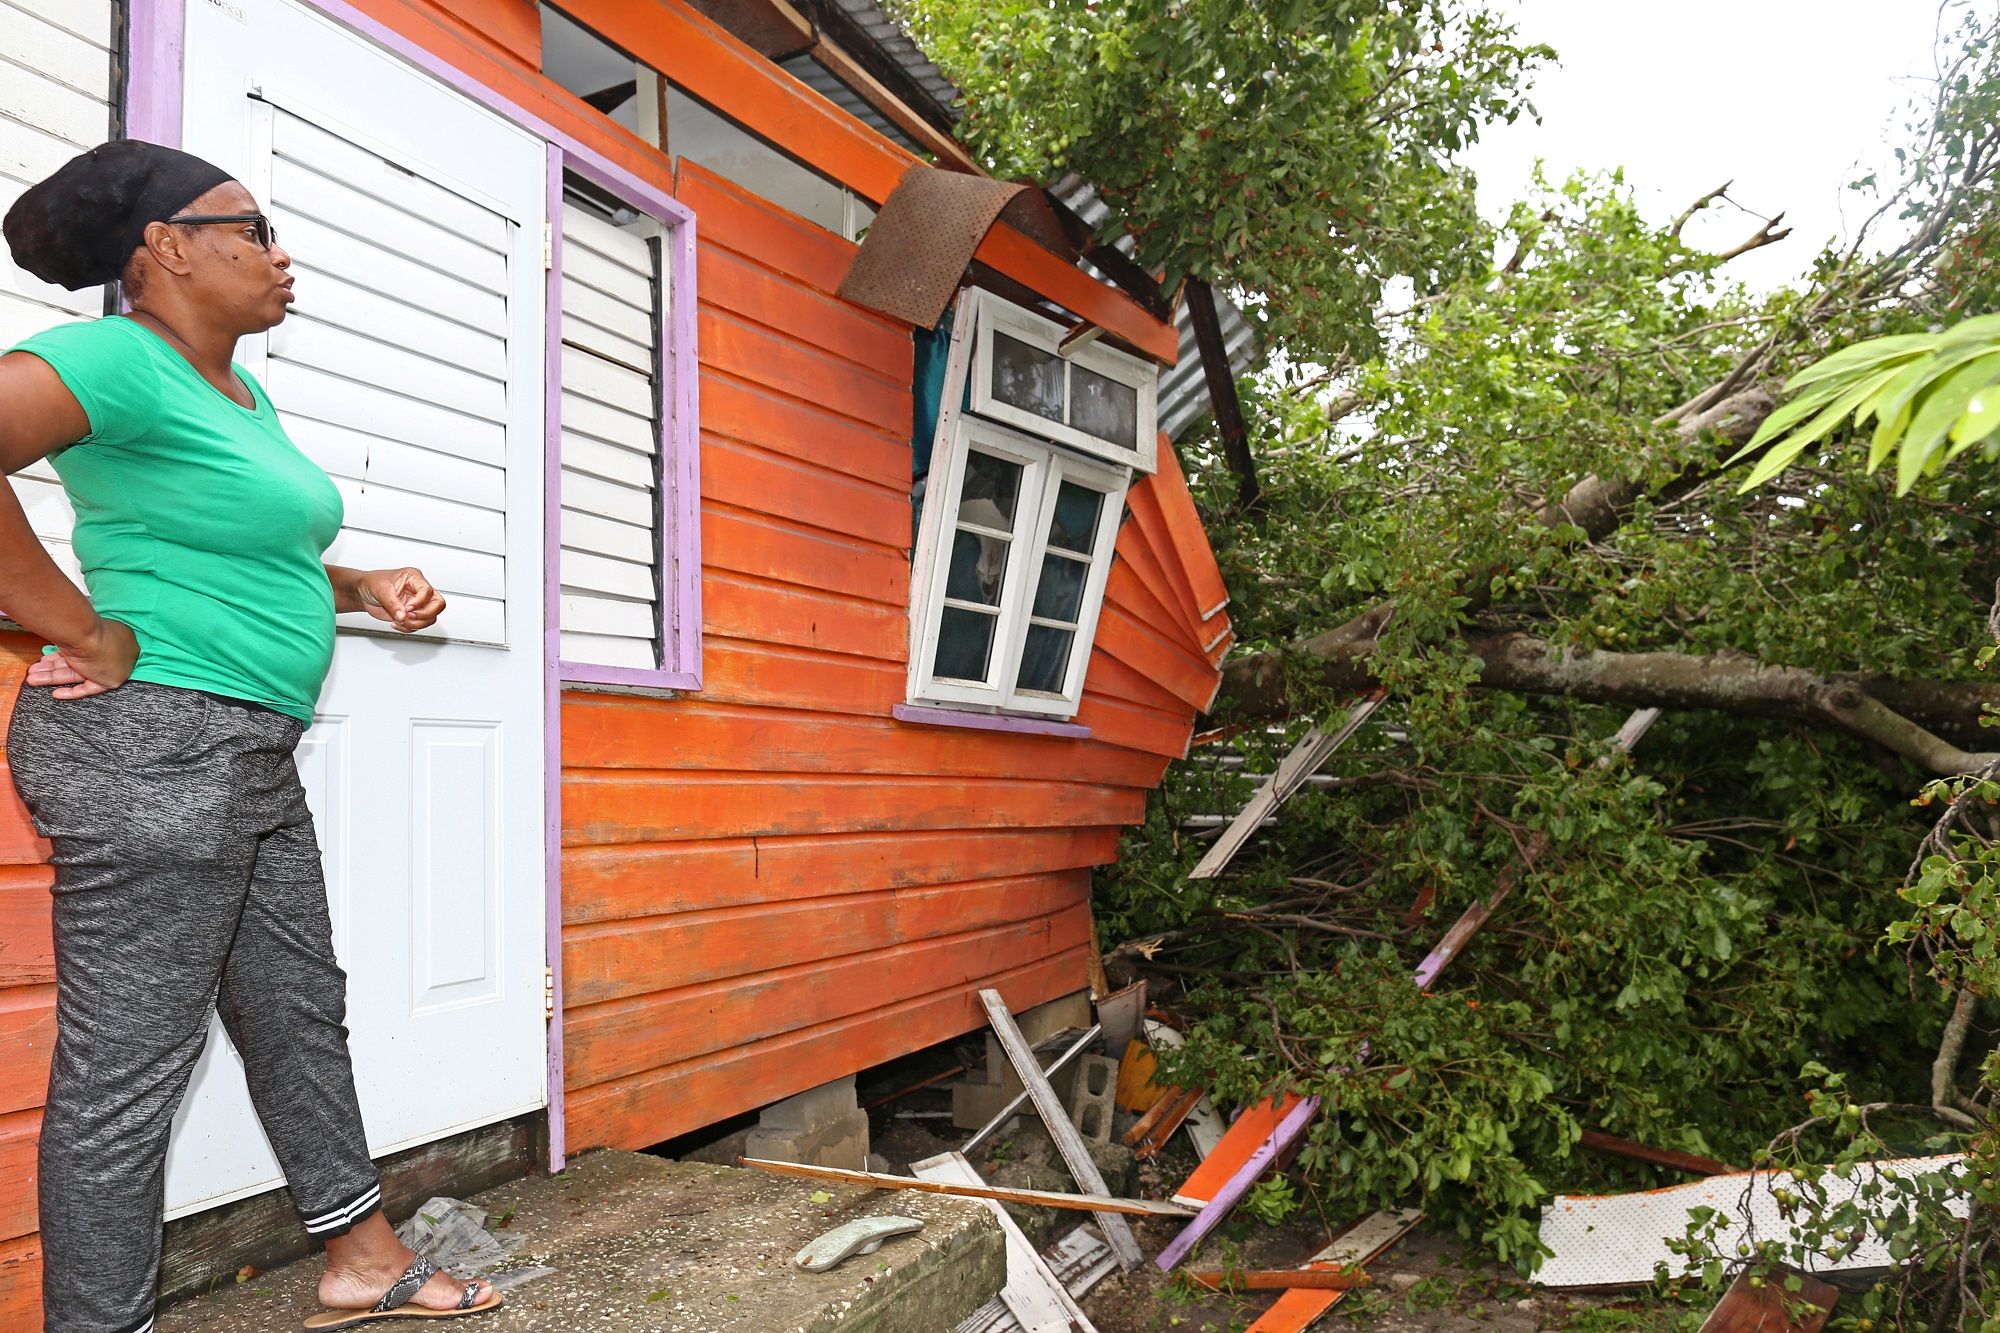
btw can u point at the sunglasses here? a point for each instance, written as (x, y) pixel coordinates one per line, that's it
(267, 235)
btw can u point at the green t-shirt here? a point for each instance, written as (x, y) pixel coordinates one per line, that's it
(198, 521)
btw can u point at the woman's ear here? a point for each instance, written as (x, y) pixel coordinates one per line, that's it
(167, 246)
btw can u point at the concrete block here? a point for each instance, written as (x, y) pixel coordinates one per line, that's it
(1092, 1101)
(823, 1126)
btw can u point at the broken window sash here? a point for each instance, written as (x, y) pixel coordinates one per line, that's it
(1304, 760)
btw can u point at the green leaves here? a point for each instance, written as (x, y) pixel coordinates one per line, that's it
(1931, 397)
(1298, 151)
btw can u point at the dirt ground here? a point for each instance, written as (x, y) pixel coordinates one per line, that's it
(1429, 1283)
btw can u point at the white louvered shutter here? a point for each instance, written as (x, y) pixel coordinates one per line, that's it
(391, 371)
(611, 319)
(55, 101)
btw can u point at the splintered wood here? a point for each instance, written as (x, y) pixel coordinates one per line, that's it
(874, 1180)
(1055, 1119)
(1767, 1305)
(1037, 1300)
(1364, 1242)
(1304, 760)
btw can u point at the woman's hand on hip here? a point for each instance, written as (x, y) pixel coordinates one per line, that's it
(403, 597)
(102, 661)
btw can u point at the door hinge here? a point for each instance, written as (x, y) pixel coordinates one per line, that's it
(548, 246)
(549, 994)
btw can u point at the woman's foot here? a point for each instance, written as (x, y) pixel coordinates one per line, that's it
(366, 1262)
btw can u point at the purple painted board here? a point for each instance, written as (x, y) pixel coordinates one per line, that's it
(1239, 1184)
(158, 35)
(951, 717)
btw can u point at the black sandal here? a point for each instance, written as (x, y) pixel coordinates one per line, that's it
(395, 1302)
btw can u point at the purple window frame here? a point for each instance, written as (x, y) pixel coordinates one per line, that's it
(157, 41)
(680, 445)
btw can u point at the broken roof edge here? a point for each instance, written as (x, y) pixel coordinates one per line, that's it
(1183, 396)
(895, 57)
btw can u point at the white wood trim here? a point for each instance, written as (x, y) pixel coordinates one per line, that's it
(992, 314)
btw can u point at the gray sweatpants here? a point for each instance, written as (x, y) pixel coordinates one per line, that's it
(186, 875)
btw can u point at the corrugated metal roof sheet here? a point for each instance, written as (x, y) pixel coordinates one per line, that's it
(1184, 400)
(892, 41)
(822, 81)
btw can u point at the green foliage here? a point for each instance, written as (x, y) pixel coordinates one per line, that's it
(1299, 150)
(1930, 395)
(1701, 920)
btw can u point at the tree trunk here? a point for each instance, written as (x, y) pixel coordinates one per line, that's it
(1725, 682)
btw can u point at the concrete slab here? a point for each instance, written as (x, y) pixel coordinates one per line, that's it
(685, 1247)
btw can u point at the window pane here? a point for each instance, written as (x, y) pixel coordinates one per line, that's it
(1027, 377)
(991, 485)
(1074, 527)
(1044, 660)
(978, 567)
(965, 642)
(1060, 593)
(1104, 407)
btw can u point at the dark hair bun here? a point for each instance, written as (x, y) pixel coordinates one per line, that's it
(79, 227)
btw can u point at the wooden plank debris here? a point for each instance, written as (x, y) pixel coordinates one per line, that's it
(1462, 930)
(1365, 1241)
(1150, 1135)
(1204, 1124)
(1007, 1112)
(1079, 1261)
(1055, 1119)
(1305, 759)
(1252, 1129)
(1119, 1015)
(1642, 1152)
(1287, 1133)
(1757, 1305)
(876, 1180)
(1137, 1092)
(1034, 1295)
(1281, 1279)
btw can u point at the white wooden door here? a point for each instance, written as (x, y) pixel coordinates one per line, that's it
(411, 369)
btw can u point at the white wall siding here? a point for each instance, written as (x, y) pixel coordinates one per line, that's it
(55, 101)
(610, 445)
(391, 370)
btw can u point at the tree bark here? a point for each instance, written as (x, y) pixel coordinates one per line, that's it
(1725, 682)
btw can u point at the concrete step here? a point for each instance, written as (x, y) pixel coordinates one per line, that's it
(684, 1247)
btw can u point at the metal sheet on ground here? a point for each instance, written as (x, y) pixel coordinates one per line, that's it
(1617, 1239)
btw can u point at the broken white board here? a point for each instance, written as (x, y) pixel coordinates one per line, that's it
(1033, 1296)
(1615, 1240)
(1080, 1261)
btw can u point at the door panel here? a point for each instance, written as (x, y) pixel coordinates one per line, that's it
(412, 371)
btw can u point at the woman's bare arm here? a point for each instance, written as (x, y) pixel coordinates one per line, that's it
(403, 597)
(39, 415)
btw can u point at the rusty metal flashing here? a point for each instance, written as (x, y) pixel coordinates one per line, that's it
(916, 251)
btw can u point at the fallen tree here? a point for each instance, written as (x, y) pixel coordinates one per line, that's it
(1726, 682)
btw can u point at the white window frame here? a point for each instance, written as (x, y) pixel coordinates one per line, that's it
(990, 313)
(1044, 468)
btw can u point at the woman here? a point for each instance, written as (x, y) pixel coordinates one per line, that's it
(153, 741)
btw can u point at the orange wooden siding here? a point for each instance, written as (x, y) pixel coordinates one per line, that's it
(27, 1017)
(775, 883)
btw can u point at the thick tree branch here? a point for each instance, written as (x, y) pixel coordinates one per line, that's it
(1724, 682)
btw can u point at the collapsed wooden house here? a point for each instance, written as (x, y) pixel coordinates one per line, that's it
(731, 769)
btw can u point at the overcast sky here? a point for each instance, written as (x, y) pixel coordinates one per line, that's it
(1789, 98)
